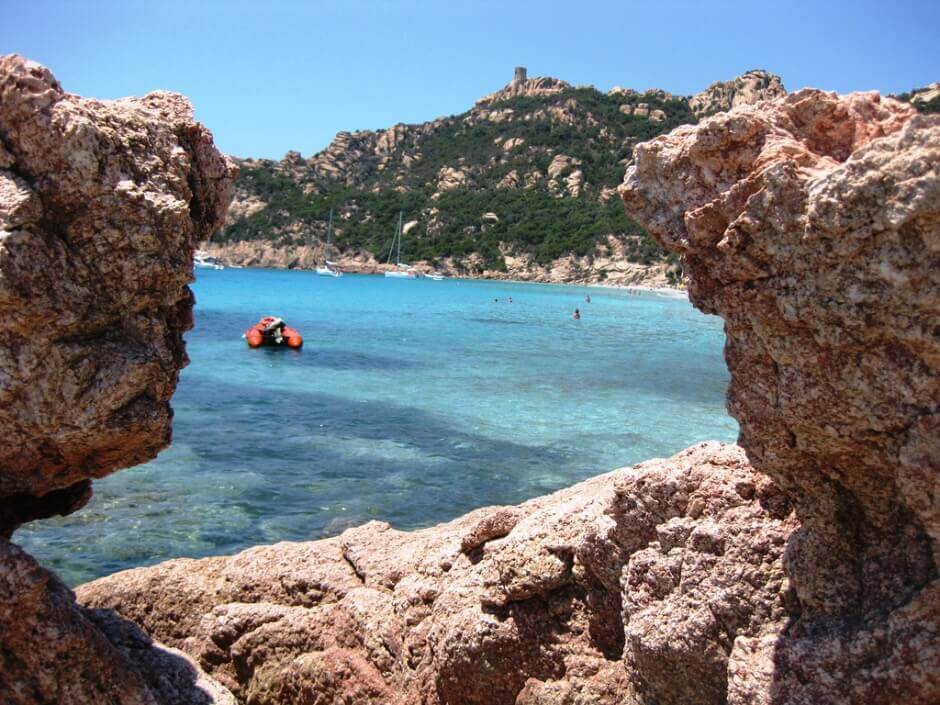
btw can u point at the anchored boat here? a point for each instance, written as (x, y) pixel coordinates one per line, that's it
(404, 271)
(203, 260)
(330, 268)
(272, 331)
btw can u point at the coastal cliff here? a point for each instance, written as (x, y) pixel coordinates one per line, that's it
(521, 186)
(101, 206)
(802, 572)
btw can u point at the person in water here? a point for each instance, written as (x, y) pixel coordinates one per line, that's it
(587, 299)
(510, 299)
(576, 315)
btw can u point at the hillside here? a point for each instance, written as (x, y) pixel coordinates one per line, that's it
(522, 185)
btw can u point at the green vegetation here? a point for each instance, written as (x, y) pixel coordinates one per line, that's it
(542, 220)
(929, 107)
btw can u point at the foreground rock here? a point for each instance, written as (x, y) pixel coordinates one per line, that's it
(812, 226)
(633, 584)
(101, 204)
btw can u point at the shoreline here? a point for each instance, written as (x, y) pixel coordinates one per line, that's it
(645, 289)
(629, 288)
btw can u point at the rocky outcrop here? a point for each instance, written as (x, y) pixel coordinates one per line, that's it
(812, 226)
(540, 86)
(927, 93)
(750, 87)
(450, 178)
(633, 585)
(101, 205)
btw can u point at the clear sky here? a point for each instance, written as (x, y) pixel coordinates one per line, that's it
(268, 76)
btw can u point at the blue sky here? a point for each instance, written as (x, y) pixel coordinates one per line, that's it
(271, 76)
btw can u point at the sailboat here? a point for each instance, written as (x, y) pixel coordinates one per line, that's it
(204, 260)
(404, 271)
(329, 269)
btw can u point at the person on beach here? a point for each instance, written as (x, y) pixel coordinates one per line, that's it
(576, 315)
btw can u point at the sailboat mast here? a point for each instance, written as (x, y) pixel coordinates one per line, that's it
(398, 254)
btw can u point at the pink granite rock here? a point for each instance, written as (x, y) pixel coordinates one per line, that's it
(101, 205)
(812, 226)
(560, 600)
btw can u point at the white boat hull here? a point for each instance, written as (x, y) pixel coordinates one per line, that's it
(203, 260)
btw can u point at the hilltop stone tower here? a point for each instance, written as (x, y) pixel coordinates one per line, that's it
(520, 76)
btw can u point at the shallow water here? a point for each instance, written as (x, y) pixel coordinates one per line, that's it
(411, 402)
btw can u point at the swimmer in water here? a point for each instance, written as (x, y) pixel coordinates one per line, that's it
(576, 315)
(587, 299)
(510, 299)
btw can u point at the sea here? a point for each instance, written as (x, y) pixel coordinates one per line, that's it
(411, 402)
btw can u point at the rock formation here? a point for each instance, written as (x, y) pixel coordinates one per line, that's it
(539, 86)
(101, 204)
(812, 226)
(750, 87)
(927, 93)
(634, 584)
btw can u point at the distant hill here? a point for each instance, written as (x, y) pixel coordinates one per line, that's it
(522, 185)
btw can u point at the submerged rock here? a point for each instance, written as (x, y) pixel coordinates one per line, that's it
(101, 206)
(563, 599)
(812, 226)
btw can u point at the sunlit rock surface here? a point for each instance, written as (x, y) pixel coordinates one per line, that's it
(101, 205)
(649, 570)
(812, 226)
(750, 87)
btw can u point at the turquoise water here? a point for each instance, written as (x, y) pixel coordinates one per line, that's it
(412, 402)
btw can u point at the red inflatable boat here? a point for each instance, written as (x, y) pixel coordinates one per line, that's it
(271, 330)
